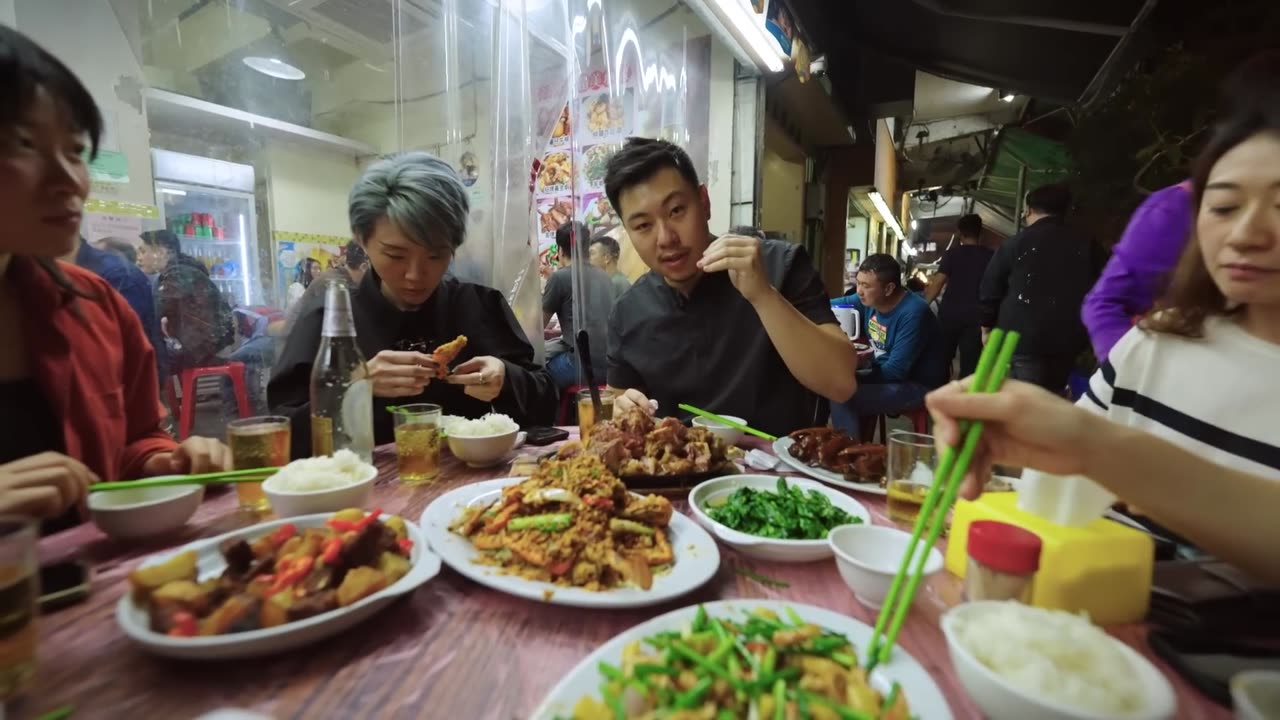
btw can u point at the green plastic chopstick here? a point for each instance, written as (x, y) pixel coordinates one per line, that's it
(993, 366)
(217, 478)
(726, 421)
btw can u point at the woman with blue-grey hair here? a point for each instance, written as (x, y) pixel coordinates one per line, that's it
(409, 212)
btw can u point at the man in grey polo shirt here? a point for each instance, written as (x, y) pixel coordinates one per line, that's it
(736, 325)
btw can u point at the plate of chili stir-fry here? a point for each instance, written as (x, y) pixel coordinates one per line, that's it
(571, 534)
(750, 659)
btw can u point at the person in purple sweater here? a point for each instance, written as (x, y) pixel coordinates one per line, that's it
(1139, 266)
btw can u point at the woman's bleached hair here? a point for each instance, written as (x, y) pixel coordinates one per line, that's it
(419, 193)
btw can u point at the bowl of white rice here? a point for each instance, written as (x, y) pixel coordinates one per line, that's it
(483, 442)
(1025, 663)
(320, 485)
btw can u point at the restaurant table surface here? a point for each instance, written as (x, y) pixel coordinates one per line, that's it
(452, 649)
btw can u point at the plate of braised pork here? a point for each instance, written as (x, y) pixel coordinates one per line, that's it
(833, 457)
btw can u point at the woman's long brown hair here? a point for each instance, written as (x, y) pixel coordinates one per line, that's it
(1254, 108)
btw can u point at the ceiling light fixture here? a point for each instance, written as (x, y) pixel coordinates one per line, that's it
(886, 214)
(274, 67)
(914, 225)
(746, 30)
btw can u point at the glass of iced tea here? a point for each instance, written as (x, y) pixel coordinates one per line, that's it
(18, 593)
(418, 442)
(912, 459)
(587, 411)
(257, 442)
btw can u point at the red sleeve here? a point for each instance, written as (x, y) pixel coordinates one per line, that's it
(145, 434)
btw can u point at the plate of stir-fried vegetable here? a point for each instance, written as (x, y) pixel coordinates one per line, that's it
(748, 659)
(571, 534)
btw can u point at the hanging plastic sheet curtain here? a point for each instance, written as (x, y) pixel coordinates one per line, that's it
(635, 68)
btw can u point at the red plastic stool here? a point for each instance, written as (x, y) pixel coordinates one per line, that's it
(919, 418)
(186, 408)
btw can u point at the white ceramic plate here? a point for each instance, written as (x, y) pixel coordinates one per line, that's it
(697, 557)
(768, 548)
(424, 565)
(782, 447)
(923, 695)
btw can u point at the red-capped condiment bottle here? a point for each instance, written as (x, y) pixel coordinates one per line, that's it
(1003, 560)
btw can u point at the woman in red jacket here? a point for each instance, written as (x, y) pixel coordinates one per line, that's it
(78, 391)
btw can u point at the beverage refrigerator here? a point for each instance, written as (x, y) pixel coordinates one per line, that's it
(209, 205)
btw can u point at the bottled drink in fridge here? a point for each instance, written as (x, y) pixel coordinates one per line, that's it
(341, 392)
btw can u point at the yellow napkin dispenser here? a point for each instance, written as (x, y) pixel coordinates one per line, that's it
(1103, 568)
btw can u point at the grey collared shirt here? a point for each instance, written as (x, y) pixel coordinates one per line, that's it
(710, 349)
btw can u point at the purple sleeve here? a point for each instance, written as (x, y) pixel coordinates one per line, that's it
(1140, 263)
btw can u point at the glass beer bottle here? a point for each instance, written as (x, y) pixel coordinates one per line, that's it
(341, 392)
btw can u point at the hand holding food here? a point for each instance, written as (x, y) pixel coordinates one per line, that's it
(481, 377)
(1024, 425)
(446, 354)
(629, 399)
(43, 485)
(401, 373)
(286, 575)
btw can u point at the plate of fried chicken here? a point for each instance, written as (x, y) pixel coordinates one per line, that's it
(650, 453)
(831, 456)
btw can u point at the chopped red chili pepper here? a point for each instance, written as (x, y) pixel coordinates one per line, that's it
(598, 502)
(406, 545)
(331, 550)
(354, 526)
(283, 533)
(184, 625)
(297, 571)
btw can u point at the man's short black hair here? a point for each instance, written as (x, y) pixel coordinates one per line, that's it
(1052, 199)
(969, 226)
(639, 160)
(611, 247)
(885, 268)
(163, 239)
(570, 233)
(355, 255)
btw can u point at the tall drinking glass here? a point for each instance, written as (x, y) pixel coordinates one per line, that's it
(418, 442)
(18, 593)
(587, 411)
(912, 459)
(257, 442)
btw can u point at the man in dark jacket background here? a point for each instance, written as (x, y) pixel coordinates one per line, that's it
(1035, 285)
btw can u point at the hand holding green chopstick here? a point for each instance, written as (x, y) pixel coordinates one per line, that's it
(993, 366)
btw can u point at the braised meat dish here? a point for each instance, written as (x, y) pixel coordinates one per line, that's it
(834, 451)
(635, 444)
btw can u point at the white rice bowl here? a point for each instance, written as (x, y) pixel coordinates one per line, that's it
(489, 425)
(316, 474)
(1052, 655)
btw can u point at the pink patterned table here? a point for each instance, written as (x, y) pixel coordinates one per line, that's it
(452, 650)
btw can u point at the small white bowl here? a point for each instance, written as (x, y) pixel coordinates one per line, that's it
(484, 450)
(708, 493)
(139, 513)
(1256, 694)
(292, 503)
(868, 556)
(730, 436)
(1001, 700)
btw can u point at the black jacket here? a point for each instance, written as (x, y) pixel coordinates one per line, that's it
(455, 308)
(1036, 284)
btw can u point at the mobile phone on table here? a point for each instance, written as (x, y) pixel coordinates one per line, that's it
(544, 435)
(62, 584)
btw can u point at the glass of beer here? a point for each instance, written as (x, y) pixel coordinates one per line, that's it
(418, 442)
(587, 411)
(18, 593)
(257, 442)
(912, 459)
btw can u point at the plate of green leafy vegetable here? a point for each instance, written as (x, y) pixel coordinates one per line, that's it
(774, 518)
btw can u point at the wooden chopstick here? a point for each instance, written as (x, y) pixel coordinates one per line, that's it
(993, 366)
(726, 421)
(217, 478)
